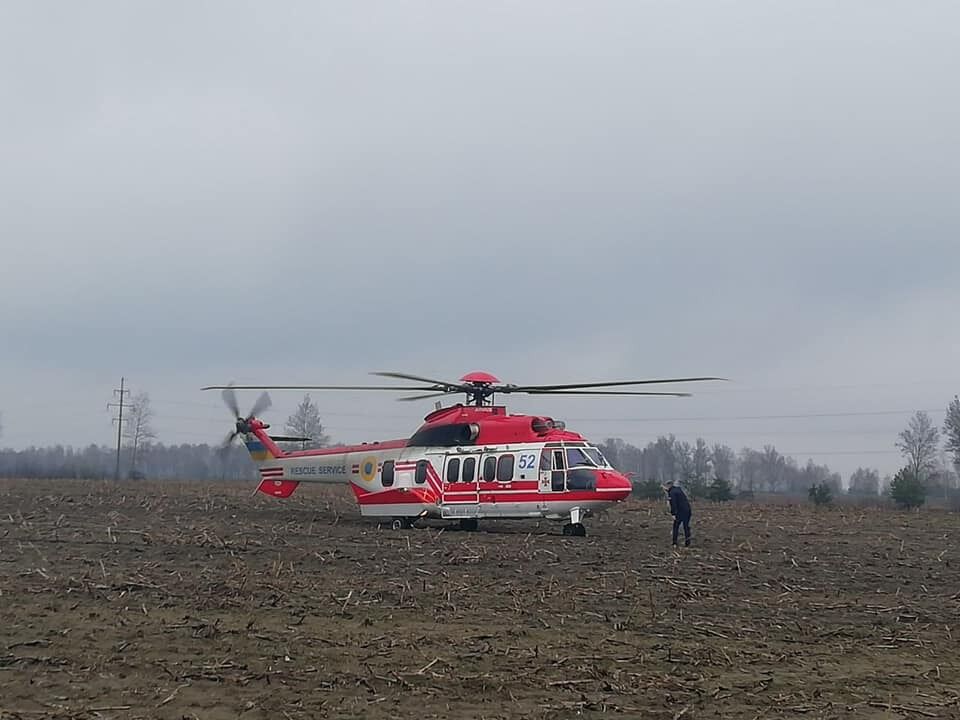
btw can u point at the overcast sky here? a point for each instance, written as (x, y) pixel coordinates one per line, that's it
(304, 192)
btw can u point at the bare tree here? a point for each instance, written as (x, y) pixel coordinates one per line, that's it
(864, 481)
(137, 426)
(683, 454)
(723, 458)
(701, 460)
(951, 429)
(773, 467)
(918, 444)
(749, 466)
(305, 423)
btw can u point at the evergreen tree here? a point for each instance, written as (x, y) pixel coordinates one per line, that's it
(821, 494)
(649, 490)
(720, 490)
(907, 490)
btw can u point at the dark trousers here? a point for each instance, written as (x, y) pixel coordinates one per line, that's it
(679, 520)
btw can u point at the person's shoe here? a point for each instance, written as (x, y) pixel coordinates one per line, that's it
(686, 543)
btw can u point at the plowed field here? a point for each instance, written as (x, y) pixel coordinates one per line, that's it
(180, 601)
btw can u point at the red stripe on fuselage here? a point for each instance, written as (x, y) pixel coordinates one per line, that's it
(397, 496)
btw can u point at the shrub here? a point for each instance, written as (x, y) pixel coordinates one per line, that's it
(820, 494)
(649, 490)
(720, 490)
(907, 490)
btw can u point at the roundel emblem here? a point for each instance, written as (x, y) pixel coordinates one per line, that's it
(368, 469)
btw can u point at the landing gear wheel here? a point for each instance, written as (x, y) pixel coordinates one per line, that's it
(403, 523)
(468, 524)
(575, 529)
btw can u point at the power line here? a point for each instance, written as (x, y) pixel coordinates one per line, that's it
(843, 452)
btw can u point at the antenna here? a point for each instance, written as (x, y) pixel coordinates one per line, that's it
(119, 421)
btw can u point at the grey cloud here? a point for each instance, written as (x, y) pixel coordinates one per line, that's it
(207, 190)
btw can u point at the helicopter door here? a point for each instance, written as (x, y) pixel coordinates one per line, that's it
(552, 470)
(461, 487)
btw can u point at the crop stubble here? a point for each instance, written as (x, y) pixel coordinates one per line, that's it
(179, 600)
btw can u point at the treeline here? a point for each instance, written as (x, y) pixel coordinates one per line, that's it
(698, 464)
(667, 458)
(155, 461)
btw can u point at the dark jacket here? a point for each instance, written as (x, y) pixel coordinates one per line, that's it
(679, 505)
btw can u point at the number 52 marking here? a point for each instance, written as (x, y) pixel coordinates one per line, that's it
(527, 462)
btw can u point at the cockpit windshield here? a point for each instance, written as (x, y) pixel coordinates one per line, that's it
(576, 457)
(597, 457)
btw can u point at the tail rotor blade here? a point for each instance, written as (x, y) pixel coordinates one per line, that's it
(230, 398)
(224, 447)
(263, 402)
(228, 440)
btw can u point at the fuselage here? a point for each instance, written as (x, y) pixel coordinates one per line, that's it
(464, 462)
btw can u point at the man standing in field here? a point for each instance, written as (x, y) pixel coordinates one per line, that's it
(681, 511)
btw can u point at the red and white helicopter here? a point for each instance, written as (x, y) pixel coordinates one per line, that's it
(466, 462)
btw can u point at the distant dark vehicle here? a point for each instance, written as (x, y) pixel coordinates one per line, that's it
(136, 475)
(745, 495)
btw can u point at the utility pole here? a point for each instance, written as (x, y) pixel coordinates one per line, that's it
(119, 421)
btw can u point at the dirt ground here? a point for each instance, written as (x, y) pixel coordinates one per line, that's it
(180, 601)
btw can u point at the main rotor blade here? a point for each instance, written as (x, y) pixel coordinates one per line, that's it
(606, 392)
(417, 378)
(263, 402)
(317, 387)
(230, 398)
(575, 386)
(425, 397)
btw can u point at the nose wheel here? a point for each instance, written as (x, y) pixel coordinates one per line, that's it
(575, 527)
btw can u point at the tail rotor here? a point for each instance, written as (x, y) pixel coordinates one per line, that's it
(242, 425)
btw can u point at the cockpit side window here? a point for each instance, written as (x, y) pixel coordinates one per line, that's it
(557, 476)
(545, 462)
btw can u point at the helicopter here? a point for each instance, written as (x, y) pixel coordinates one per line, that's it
(465, 463)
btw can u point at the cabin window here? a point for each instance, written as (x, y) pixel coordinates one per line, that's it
(505, 468)
(469, 469)
(386, 474)
(453, 469)
(420, 476)
(489, 468)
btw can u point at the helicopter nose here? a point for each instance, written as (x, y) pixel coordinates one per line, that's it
(614, 485)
